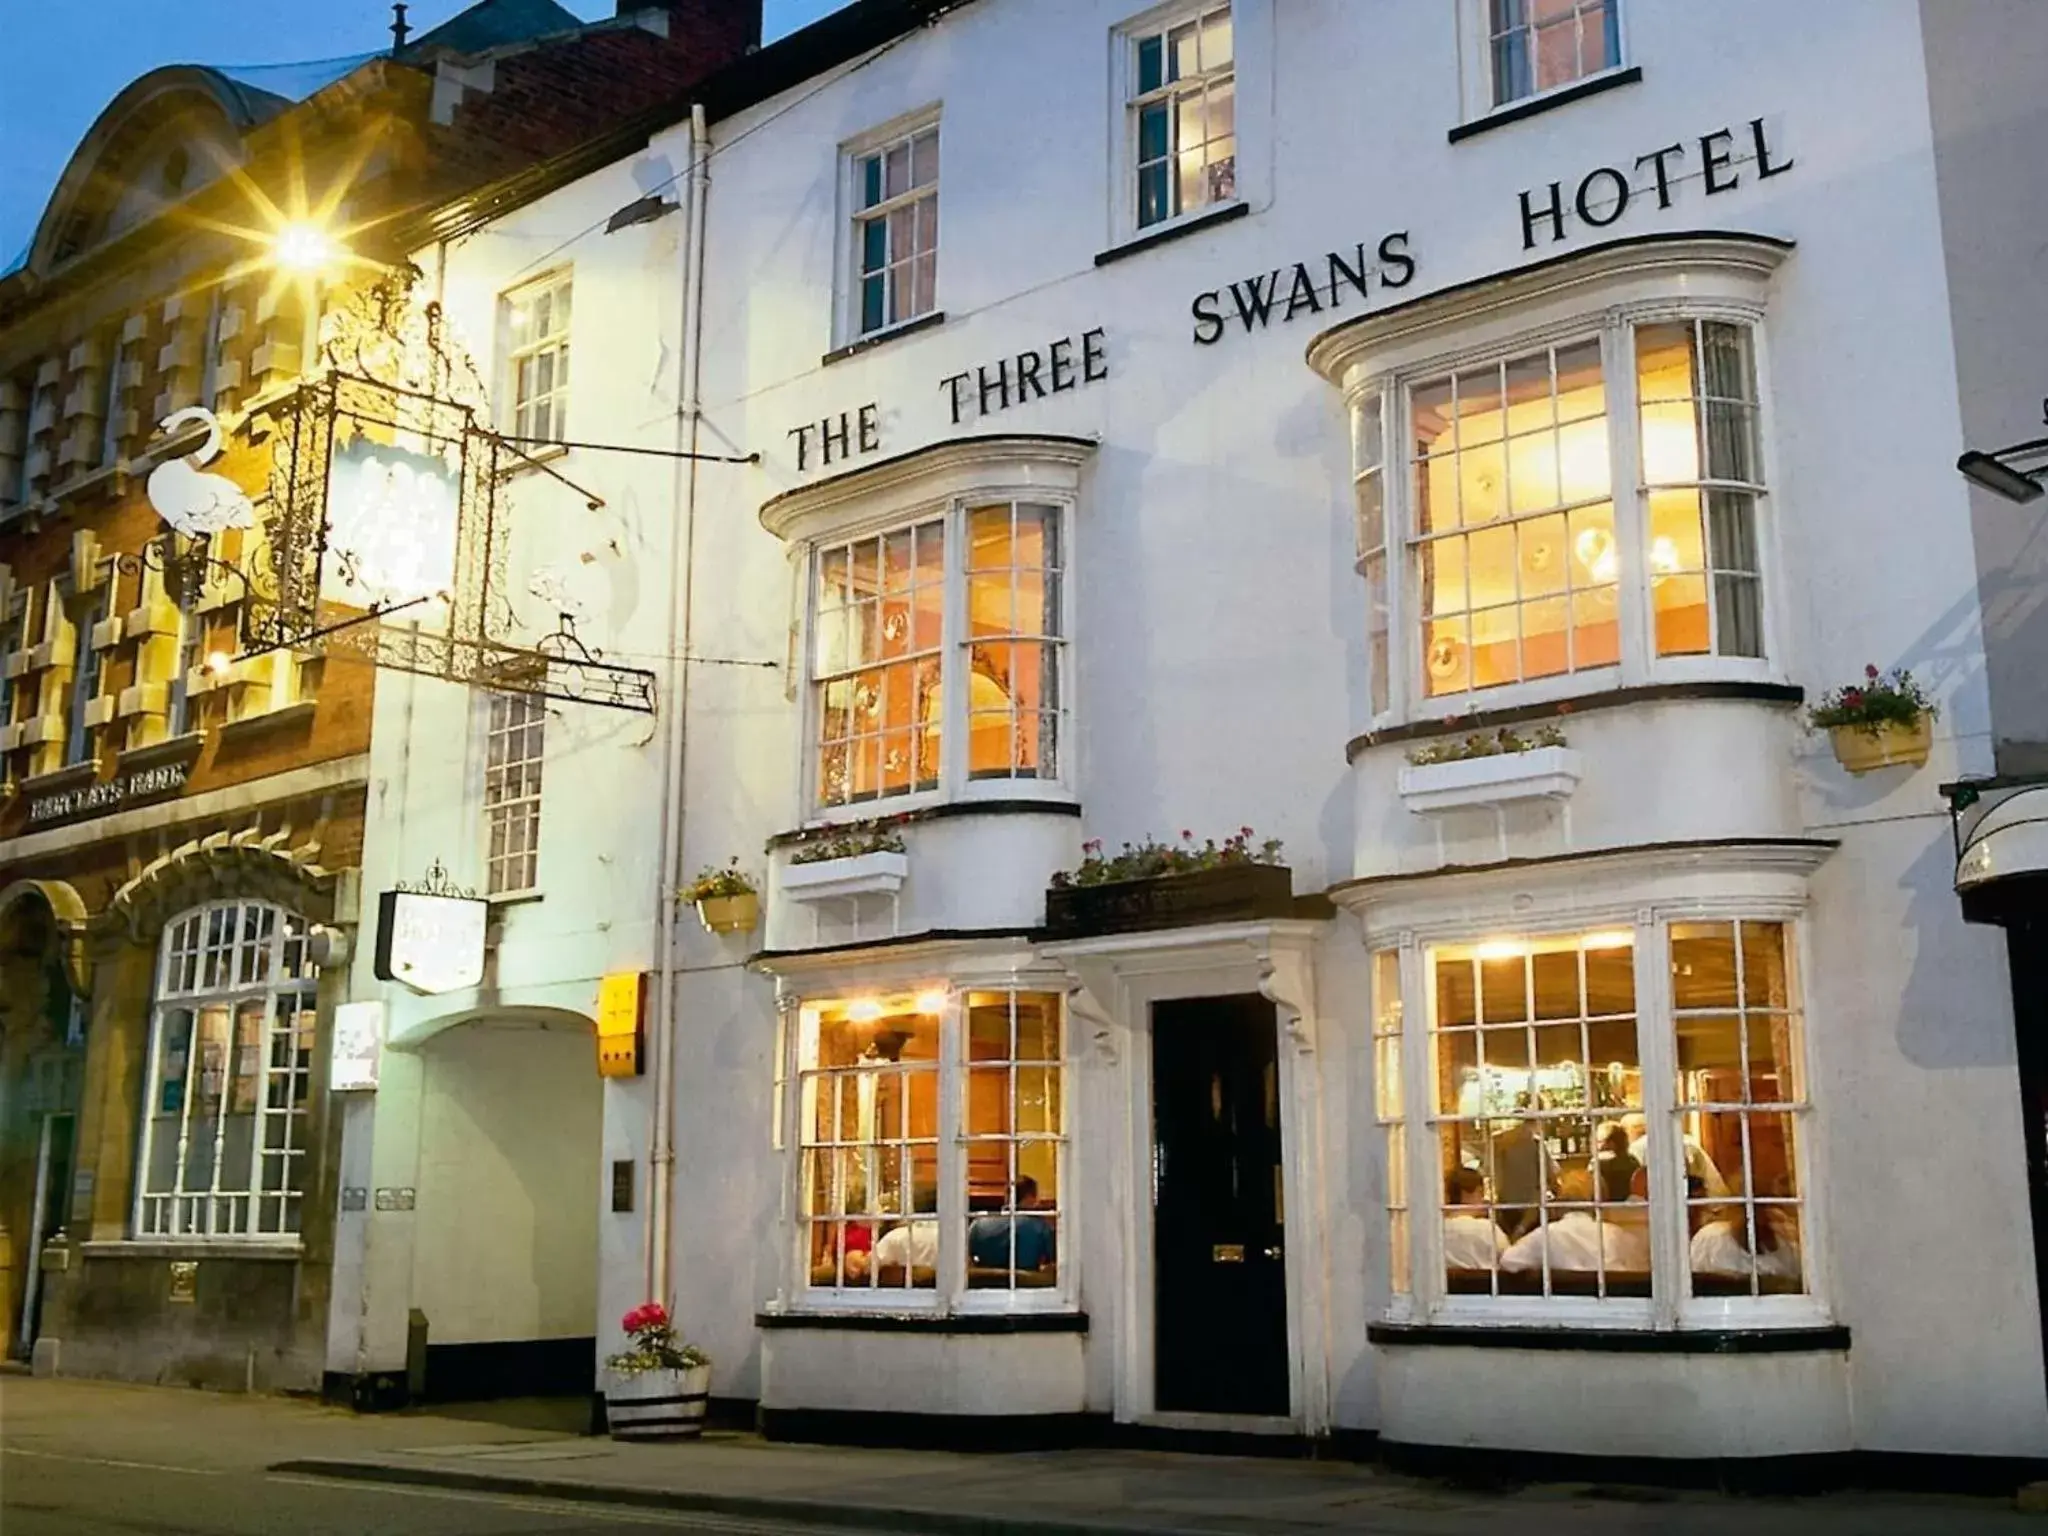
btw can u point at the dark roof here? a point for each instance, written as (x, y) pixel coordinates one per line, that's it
(493, 23)
(827, 43)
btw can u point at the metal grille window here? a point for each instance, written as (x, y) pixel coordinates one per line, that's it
(896, 229)
(224, 1128)
(1539, 45)
(1183, 114)
(89, 670)
(1702, 472)
(911, 650)
(1740, 1096)
(537, 332)
(514, 744)
(932, 1145)
(1535, 1052)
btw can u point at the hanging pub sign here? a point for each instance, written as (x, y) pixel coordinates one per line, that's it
(392, 528)
(431, 939)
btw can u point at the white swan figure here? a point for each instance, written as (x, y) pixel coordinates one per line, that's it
(192, 503)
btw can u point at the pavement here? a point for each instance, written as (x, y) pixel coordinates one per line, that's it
(90, 1457)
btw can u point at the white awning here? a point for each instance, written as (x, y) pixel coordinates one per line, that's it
(2009, 840)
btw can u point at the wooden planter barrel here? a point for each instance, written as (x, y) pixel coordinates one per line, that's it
(657, 1405)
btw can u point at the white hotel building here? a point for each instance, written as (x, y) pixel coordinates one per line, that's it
(1189, 418)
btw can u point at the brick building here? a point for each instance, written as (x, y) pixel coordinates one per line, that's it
(181, 815)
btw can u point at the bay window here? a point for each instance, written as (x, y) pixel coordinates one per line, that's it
(1585, 507)
(1615, 1116)
(938, 653)
(225, 1122)
(931, 1146)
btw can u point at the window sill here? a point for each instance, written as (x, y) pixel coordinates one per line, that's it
(1483, 720)
(1535, 106)
(277, 1250)
(1617, 1341)
(70, 776)
(908, 1322)
(951, 808)
(269, 720)
(504, 899)
(882, 338)
(172, 749)
(527, 461)
(1189, 224)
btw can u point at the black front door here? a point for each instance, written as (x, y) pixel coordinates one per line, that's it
(2027, 949)
(1219, 1267)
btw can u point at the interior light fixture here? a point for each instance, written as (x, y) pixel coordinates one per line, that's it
(217, 664)
(1502, 949)
(1990, 471)
(1619, 938)
(865, 1011)
(932, 1003)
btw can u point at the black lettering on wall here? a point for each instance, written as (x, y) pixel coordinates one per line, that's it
(1254, 298)
(803, 446)
(1718, 161)
(1063, 365)
(956, 386)
(1342, 271)
(1587, 202)
(1208, 318)
(1765, 170)
(839, 432)
(1029, 366)
(1303, 294)
(870, 429)
(1094, 357)
(1394, 256)
(1662, 158)
(1553, 210)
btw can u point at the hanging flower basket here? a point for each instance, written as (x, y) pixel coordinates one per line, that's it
(725, 899)
(1885, 721)
(658, 1389)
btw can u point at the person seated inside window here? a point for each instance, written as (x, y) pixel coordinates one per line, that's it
(1698, 1165)
(1721, 1243)
(1021, 1244)
(1471, 1238)
(1577, 1240)
(1615, 1164)
(909, 1251)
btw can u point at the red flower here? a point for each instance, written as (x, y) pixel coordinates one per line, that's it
(1870, 672)
(1244, 831)
(1186, 836)
(650, 1315)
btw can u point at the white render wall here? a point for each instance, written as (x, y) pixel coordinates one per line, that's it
(1218, 625)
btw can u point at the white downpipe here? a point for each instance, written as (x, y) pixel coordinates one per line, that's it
(675, 734)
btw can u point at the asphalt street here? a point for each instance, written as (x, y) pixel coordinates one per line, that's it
(59, 1494)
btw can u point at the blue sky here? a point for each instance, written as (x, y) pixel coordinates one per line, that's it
(63, 61)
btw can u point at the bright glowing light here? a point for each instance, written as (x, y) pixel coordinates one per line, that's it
(392, 527)
(217, 664)
(932, 1003)
(1596, 552)
(1619, 938)
(1502, 949)
(302, 247)
(866, 1011)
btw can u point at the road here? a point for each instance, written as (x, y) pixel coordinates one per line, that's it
(45, 1493)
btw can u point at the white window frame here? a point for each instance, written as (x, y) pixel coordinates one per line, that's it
(1641, 896)
(502, 715)
(855, 219)
(187, 947)
(88, 669)
(190, 656)
(558, 342)
(1476, 61)
(950, 1295)
(1608, 292)
(1129, 102)
(955, 783)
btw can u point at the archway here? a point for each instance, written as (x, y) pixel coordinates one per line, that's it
(505, 1249)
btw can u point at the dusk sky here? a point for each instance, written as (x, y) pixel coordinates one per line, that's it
(63, 62)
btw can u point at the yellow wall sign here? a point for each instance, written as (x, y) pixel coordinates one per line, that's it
(619, 1001)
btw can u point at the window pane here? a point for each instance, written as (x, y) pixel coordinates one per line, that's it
(1151, 64)
(1217, 44)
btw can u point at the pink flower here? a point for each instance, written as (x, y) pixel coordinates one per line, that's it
(649, 1315)
(1186, 836)
(1870, 672)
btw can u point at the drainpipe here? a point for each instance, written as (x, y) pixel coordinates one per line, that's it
(675, 738)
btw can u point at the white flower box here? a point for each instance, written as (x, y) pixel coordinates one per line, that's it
(869, 874)
(1545, 773)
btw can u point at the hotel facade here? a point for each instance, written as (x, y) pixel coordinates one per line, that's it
(1456, 442)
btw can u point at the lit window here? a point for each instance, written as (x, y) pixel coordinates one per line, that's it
(1740, 1094)
(885, 638)
(181, 714)
(225, 1125)
(1536, 514)
(1539, 45)
(1552, 1138)
(884, 1211)
(1183, 114)
(896, 230)
(513, 749)
(537, 360)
